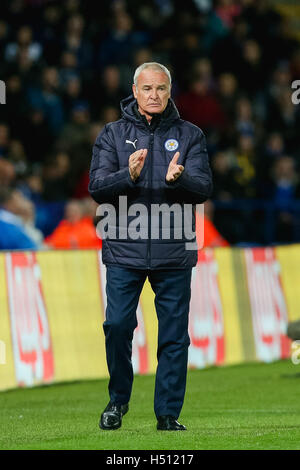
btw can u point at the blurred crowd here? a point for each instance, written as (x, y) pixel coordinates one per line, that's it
(67, 64)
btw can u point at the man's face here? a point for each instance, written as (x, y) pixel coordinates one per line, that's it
(152, 91)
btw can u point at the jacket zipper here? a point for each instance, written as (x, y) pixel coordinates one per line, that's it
(150, 198)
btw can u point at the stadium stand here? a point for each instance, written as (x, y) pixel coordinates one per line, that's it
(66, 67)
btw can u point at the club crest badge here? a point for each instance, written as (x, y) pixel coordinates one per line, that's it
(171, 145)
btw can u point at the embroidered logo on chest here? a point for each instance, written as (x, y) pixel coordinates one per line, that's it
(132, 143)
(171, 145)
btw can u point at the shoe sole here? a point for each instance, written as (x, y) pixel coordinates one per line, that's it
(172, 430)
(111, 428)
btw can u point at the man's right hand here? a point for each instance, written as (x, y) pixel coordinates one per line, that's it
(136, 163)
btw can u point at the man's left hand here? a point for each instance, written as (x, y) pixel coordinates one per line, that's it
(174, 170)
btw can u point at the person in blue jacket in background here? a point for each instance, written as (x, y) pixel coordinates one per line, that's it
(13, 235)
(152, 157)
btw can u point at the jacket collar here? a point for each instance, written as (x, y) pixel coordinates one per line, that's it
(130, 112)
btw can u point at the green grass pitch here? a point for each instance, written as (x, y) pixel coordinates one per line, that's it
(250, 406)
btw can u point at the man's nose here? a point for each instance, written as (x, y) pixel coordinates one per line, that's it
(154, 94)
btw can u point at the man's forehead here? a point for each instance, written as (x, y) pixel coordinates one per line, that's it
(150, 77)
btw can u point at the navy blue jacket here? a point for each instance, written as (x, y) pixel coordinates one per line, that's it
(110, 178)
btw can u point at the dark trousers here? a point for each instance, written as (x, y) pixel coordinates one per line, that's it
(172, 289)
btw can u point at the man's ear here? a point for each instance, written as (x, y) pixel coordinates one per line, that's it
(134, 90)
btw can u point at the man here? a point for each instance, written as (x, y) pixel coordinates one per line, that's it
(150, 156)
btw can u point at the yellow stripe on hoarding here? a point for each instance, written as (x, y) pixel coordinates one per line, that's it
(71, 290)
(150, 319)
(7, 369)
(232, 329)
(289, 260)
(243, 304)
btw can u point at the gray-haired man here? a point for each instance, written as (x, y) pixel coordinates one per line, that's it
(153, 157)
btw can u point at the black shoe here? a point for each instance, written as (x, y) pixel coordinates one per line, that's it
(111, 417)
(169, 423)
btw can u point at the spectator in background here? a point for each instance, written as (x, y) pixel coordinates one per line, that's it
(75, 42)
(81, 188)
(74, 140)
(284, 117)
(280, 80)
(285, 181)
(7, 173)
(36, 125)
(228, 10)
(26, 68)
(27, 214)
(227, 95)
(188, 51)
(14, 114)
(244, 121)
(72, 94)
(274, 32)
(245, 167)
(206, 231)
(202, 68)
(31, 186)
(227, 51)
(200, 106)
(214, 29)
(111, 90)
(75, 231)
(68, 67)
(51, 25)
(274, 147)
(141, 56)
(295, 64)
(24, 43)
(13, 234)
(3, 38)
(16, 155)
(283, 191)
(225, 190)
(109, 114)
(4, 139)
(117, 48)
(252, 74)
(57, 184)
(76, 131)
(47, 97)
(225, 187)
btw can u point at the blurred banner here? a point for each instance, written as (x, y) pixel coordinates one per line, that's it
(52, 306)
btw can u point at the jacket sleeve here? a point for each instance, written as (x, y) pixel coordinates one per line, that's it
(107, 181)
(194, 185)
